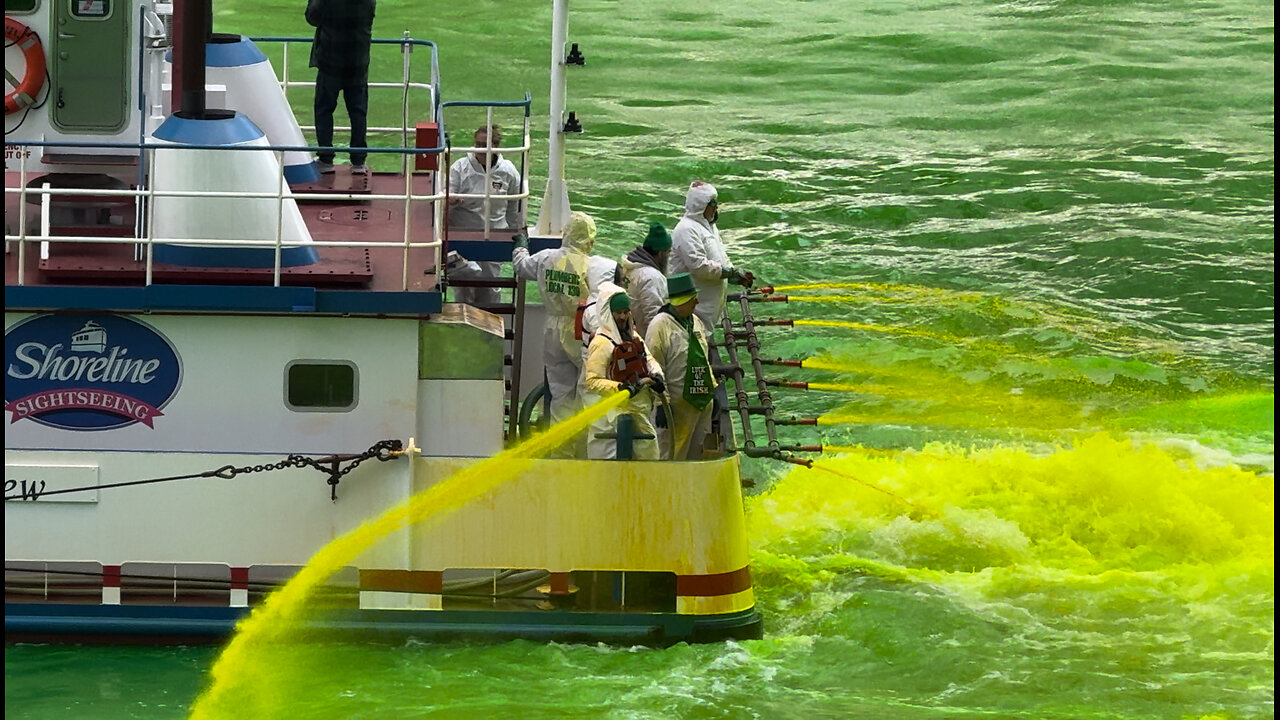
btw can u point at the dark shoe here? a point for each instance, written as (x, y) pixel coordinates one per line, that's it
(324, 167)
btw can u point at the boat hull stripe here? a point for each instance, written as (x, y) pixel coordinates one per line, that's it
(410, 581)
(718, 584)
(432, 581)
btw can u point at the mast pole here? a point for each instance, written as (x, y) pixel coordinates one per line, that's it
(554, 213)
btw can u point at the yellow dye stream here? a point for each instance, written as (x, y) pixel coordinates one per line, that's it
(914, 290)
(1055, 397)
(823, 466)
(1027, 429)
(846, 387)
(1029, 314)
(234, 692)
(878, 328)
(850, 299)
(858, 450)
(824, 363)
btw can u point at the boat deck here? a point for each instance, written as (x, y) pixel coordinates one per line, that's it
(357, 218)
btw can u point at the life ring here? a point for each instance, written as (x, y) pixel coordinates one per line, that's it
(28, 90)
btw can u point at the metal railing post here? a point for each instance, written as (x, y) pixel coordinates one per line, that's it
(280, 186)
(22, 215)
(405, 50)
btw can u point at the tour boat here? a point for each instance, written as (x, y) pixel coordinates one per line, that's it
(219, 360)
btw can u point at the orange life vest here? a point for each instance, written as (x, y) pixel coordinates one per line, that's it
(627, 364)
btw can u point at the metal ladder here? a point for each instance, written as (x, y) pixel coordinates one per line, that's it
(512, 314)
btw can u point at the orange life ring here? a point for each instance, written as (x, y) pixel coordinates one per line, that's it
(28, 90)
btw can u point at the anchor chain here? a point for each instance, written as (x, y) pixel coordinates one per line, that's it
(382, 450)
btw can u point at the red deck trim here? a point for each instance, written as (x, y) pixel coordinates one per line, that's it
(711, 585)
(239, 578)
(110, 576)
(412, 581)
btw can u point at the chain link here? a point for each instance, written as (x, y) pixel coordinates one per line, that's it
(383, 450)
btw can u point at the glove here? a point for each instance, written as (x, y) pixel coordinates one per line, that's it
(658, 385)
(632, 390)
(730, 274)
(660, 418)
(745, 279)
(522, 240)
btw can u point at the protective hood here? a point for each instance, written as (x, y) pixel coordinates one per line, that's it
(580, 233)
(599, 271)
(700, 194)
(604, 317)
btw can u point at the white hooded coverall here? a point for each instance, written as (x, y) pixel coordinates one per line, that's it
(646, 285)
(596, 385)
(561, 274)
(668, 343)
(696, 249)
(468, 177)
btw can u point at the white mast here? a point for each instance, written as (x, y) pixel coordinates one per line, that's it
(554, 214)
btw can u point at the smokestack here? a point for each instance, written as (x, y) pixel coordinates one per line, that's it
(194, 21)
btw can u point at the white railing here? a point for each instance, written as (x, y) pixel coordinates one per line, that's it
(144, 237)
(144, 197)
(147, 240)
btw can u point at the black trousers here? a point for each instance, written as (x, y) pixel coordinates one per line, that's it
(355, 93)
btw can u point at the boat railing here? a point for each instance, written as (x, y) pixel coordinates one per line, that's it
(406, 84)
(146, 193)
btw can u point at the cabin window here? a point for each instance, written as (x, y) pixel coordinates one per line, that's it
(91, 8)
(320, 386)
(20, 6)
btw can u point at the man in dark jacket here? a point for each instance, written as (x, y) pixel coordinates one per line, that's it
(340, 55)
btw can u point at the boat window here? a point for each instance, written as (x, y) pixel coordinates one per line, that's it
(91, 8)
(320, 385)
(20, 6)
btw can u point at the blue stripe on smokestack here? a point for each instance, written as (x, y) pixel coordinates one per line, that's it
(228, 54)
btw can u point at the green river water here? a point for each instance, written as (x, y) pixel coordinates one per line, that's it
(1057, 216)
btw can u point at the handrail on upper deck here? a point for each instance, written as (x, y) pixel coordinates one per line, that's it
(146, 166)
(406, 44)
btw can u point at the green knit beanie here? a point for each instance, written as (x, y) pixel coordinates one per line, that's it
(658, 238)
(619, 301)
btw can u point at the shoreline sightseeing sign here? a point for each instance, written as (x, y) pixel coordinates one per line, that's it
(88, 372)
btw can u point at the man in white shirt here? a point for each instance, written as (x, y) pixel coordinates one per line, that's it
(478, 174)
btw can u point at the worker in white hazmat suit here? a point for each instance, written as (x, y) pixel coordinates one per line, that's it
(677, 338)
(484, 173)
(600, 270)
(696, 249)
(646, 273)
(617, 360)
(561, 274)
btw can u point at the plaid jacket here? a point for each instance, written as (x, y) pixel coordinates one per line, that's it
(344, 29)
